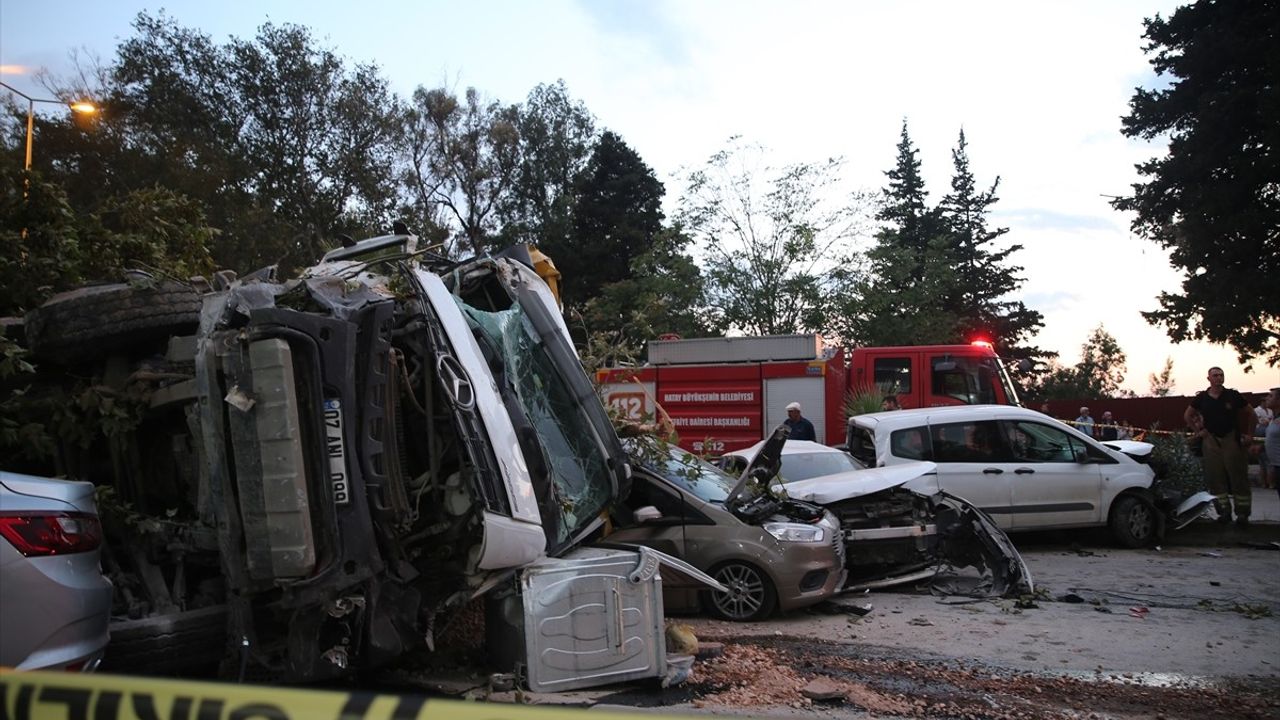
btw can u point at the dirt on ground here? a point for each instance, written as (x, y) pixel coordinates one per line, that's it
(776, 673)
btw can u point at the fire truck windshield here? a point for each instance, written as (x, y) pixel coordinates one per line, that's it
(970, 380)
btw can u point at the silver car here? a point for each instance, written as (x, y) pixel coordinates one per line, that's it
(55, 601)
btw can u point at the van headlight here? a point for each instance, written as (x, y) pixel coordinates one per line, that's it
(794, 532)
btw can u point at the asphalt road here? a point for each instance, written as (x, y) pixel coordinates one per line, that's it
(1195, 623)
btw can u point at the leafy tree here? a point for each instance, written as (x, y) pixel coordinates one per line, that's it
(39, 240)
(1162, 383)
(982, 277)
(557, 137)
(1213, 199)
(616, 219)
(463, 158)
(280, 141)
(1099, 373)
(770, 237)
(664, 293)
(47, 247)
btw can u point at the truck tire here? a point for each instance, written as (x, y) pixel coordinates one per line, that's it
(188, 642)
(1133, 522)
(88, 322)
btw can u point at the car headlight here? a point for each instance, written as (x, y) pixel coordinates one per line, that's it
(794, 532)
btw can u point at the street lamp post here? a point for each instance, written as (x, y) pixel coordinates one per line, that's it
(86, 108)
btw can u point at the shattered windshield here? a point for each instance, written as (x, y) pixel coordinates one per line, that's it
(696, 475)
(577, 466)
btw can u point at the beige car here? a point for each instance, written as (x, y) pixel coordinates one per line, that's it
(772, 554)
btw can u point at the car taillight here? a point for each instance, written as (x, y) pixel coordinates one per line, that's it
(35, 534)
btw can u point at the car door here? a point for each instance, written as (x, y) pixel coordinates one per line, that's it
(665, 533)
(1052, 484)
(973, 464)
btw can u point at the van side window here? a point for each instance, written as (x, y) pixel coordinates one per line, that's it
(977, 441)
(910, 444)
(1034, 442)
(893, 375)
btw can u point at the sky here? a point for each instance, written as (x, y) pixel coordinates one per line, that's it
(1038, 88)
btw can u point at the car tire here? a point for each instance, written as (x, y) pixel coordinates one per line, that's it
(188, 642)
(751, 597)
(1133, 522)
(87, 322)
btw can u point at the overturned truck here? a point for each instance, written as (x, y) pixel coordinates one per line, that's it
(333, 465)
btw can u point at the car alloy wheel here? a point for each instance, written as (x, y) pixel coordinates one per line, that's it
(750, 595)
(1133, 522)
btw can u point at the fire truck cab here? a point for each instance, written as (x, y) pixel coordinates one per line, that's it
(723, 394)
(934, 375)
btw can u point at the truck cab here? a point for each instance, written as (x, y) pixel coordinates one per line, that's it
(934, 375)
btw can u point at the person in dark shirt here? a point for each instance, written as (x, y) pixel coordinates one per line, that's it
(1226, 418)
(890, 402)
(801, 428)
(1107, 429)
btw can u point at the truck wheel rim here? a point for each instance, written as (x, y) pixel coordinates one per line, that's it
(746, 591)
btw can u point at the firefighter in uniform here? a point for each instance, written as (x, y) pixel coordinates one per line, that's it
(1226, 417)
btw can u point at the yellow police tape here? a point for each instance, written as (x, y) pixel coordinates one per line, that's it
(77, 696)
(1140, 433)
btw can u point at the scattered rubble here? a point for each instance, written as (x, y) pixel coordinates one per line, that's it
(800, 673)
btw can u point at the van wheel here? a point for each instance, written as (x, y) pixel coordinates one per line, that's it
(1132, 522)
(88, 322)
(751, 594)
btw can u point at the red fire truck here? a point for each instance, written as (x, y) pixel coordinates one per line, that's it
(722, 394)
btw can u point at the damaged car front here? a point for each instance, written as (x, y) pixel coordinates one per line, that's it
(771, 552)
(389, 436)
(898, 527)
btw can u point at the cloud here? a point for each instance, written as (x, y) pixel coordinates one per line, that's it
(1044, 219)
(639, 21)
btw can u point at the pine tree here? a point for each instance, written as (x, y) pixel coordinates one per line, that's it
(910, 273)
(981, 274)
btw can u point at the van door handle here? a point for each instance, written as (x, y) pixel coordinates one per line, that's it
(1024, 471)
(992, 471)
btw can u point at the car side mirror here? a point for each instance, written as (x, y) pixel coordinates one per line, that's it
(647, 514)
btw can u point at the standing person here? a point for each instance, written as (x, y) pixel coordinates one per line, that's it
(1265, 415)
(1227, 424)
(1272, 445)
(1084, 423)
(801, 428)
(890, 402)
(1108, 431)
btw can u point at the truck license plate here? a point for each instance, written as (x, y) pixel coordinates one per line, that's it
(336, 448)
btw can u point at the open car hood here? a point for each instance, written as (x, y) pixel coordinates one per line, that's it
(763, 467)
(856, 483)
